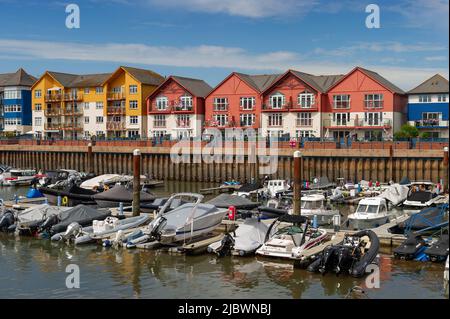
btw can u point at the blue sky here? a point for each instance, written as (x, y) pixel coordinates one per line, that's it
(210, 38)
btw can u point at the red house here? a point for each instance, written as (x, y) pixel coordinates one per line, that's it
(363, 105)
(236, 101)
(177, 107)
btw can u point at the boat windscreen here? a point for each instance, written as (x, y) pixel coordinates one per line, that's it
(371, 209)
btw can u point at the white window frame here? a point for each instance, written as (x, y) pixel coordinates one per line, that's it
(425, 98)
(99, 120)
(306, 100)
(133, 89)
(220, 104)
(342, 101)
(38, 121)
(160, 120)
(162, 103)
(133, 105)
(277, 101)
(37, 94)
(186, 102)
(275, 119)
(38, 106)
(247, 119)
(304, 119)
(221, 119)
(99, 90)
(374, 101)
(99, 105)
(247, 103)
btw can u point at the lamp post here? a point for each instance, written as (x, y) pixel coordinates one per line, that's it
(297, 182)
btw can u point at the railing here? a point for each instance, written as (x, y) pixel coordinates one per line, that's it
(73, 97)
(58, 97)
(53, 97)
(431, 123)
(357, 123)
(269, 107)
(179, 108)
(72, 126)
(115, 96)
(52, 126)
(52, 112)
(115, 110)
(72, 112)
(376, 105)
(212, 123)
(115, 126)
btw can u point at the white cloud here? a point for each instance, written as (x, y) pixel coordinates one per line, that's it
(204, 56)
(247, 8)
(436, 58)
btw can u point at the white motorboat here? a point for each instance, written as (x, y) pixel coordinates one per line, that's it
(314, 205)
(109, 226)
(276, 187)
(18, 177)
(370, 213)
(422, 194)
(292, 237)
(247, 238)
(183, 223)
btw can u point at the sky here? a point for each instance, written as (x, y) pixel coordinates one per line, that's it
(209, 39)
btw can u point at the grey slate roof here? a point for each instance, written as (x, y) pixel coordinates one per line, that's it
(79, 81)
(19, 78)
(320, 82)
(383, 81)
(259, 82)
(197, 87)
(145, 76)
(436, 84)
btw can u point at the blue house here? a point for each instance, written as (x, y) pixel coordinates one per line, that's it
(15, 103)
(428, 107)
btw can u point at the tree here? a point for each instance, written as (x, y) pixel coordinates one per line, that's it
(407, 131)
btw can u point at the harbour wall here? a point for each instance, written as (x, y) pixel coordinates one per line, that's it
(351, 164)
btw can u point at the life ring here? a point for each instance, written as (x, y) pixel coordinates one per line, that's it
(65, 201)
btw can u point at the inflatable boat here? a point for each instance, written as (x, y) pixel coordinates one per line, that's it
(410, 248)
(352, 256)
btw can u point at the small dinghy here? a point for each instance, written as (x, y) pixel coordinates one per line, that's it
(29, 221)
(438, 251)
(352, 256)
(227, 200)
(410, 248)
(120, 194)
(291, 237)
(100, 228)
(72, 195)
(81, 214)
(247, 238)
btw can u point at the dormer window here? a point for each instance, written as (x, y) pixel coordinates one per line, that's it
(162, 103)
(186, 102)
(277, 100)
(306, 99)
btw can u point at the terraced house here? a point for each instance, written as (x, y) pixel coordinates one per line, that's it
(176, 108)
(15, 102)
(428, 107)
(73, 106)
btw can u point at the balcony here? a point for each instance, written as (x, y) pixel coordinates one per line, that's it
(357, 123)
(52, 126)
(72, 112)
(52, 112)
(276, 108)
(55, 97)
(183, 108)
(431, 123)
(72, 126)
(115, 126)
(73, 97)
(219, 124)
(115, 110)
(116, 96)
(373, 105)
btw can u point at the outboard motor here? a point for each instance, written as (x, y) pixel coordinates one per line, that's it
(226, 246)
(159, 225)
(72, 231)
(49, 222)
(6, 220)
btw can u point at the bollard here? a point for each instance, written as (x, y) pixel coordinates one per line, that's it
(120, 209)
(59, 201)
(16, 199)
(315, 221)
(136, 182)
(337, 222)
(46, 201)
(297, 183)
(90, 159)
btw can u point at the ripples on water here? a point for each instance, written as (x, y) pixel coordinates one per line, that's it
(31, 268)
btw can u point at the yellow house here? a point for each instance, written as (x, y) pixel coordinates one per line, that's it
(126, 111)
(71, 106)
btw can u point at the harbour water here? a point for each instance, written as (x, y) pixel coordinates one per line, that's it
(32, 268)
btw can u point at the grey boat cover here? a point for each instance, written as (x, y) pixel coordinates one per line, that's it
(323, 182)
(40, 212)
(227, 200)
(395, 193)
(120, 193)
(83, 215)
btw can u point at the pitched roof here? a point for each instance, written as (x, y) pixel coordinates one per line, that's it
(197, 87)
(145, 76)
(383, 81)
(319, 82)
(78, 81)
(436, 84)
(19, 78)
(259, 82)
(374, 76)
